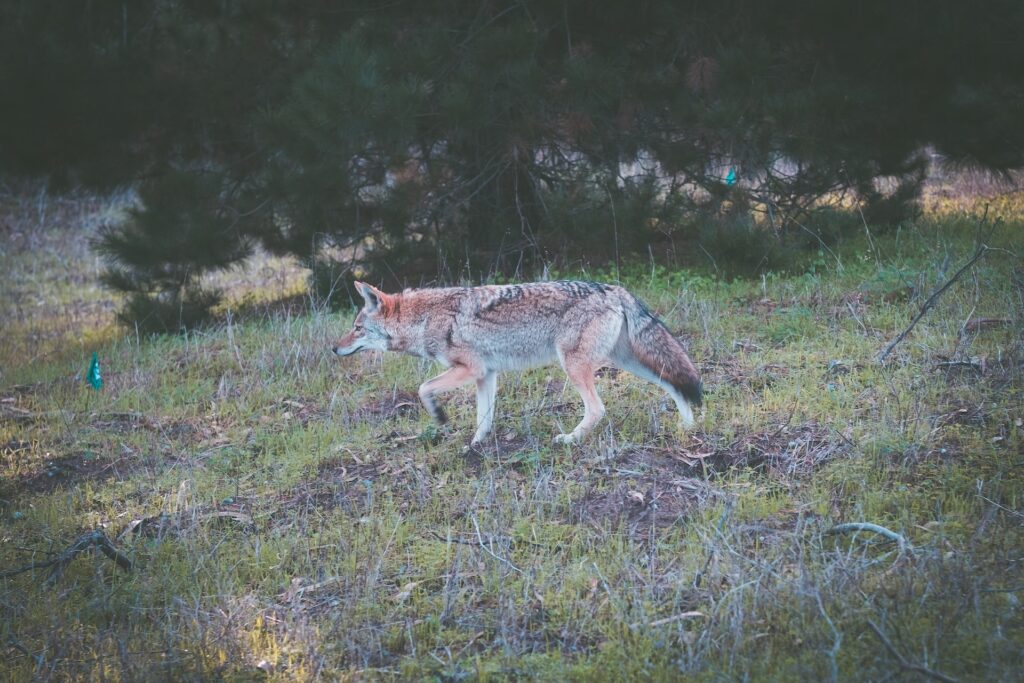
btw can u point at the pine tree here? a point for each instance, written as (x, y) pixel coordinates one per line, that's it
(425, 138)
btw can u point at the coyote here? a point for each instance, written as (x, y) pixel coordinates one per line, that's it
(477, 332)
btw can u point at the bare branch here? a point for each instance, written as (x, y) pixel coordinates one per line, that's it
(982, 250)
(904, 664)
(874, 528)
(93, 539)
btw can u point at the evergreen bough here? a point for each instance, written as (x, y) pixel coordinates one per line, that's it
(424, 139)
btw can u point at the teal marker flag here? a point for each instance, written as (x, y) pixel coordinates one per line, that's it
(730, 178)
(93, 377)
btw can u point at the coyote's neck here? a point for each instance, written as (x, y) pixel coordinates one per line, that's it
(404, 330)
(416, 320)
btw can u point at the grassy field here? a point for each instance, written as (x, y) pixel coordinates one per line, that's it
(293, 516)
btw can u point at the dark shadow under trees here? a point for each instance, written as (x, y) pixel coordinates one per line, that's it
(448, 140)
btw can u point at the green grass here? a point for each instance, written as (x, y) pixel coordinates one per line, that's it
(286, 522)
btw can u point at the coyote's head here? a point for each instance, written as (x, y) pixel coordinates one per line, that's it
(368, 330)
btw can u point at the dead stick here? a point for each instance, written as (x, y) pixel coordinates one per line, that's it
(875, 528)
(490, 540)
(108, 549)
(93, 539)
(982, 250)
(904, 664)
(490, 552)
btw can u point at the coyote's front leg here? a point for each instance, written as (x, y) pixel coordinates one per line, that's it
(452, 378)
(486, 388)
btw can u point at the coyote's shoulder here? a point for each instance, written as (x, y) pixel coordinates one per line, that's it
(477, 332)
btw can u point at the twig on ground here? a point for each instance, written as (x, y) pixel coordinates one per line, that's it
(699, 576)
(856, 317)
(15, 644)
(874, 528)
(978, 324)
(669, 620)
(837, 637)
(904, 664)
(977, 366)
(490, 552)
(93, 539)
(1013, 512)
(982, 250)
(789, 419)
(490, 539)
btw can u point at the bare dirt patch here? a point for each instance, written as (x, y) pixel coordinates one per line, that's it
(651, 487)
(504, 445)
(962, 414)
(732, 371)
(351, 486)
(399, 404)
(231, 513)
(789, 451)
(123, 422)
(643, 503)
(302, 410)
(658, 486)
(69, 470)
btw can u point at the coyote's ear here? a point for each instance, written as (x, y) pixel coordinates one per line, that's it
(371, 295)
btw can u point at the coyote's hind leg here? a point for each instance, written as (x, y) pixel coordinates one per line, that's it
(582, 351)
(582, 377)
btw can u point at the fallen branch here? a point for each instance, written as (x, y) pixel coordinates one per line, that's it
(669, 620)
(904, 664)
(982, 250)
(978, 324)
(972, 364)
(15, 414)
(874, 528)
(93, 539)
(15, 644)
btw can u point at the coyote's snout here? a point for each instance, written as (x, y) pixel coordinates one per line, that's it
(477, 332)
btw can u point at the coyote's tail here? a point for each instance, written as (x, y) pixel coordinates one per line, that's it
(655, 348)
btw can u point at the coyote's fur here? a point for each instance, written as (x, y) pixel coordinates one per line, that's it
(477, 332)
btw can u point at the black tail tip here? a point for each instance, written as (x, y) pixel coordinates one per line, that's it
(693, 393)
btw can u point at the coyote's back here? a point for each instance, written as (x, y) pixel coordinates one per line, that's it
(477, 332)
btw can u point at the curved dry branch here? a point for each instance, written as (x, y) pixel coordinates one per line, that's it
(851, 527)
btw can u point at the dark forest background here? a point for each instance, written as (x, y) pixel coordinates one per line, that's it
(440, 138)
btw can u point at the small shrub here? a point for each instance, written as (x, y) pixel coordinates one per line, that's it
(741, 247)
(169, 312)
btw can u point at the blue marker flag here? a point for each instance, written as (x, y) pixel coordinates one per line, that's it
(730, 178)
(93, 377)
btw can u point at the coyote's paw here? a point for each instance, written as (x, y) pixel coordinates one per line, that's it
(565, 439)
(479, 439)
